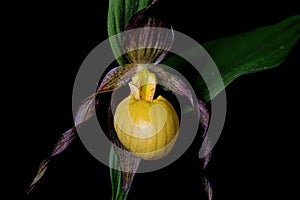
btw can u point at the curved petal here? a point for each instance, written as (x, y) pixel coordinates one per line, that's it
(172, 82)
(115, 78)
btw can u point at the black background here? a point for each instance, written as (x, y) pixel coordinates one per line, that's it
(254, 158)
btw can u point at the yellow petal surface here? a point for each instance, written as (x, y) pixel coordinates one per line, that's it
(147, 129)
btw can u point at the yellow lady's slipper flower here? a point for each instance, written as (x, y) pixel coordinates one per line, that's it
(148, 128)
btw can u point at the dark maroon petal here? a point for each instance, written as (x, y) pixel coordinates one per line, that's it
(208, 188)
(204, 118)
(64, 141)
(203, 115)
(42, 169)
(114, 79)
(148, 37)
(85, 112)
(117, 77)
(171, 82)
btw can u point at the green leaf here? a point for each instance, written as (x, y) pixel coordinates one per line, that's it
(119, 13)
(260, 49)
(115, 175)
